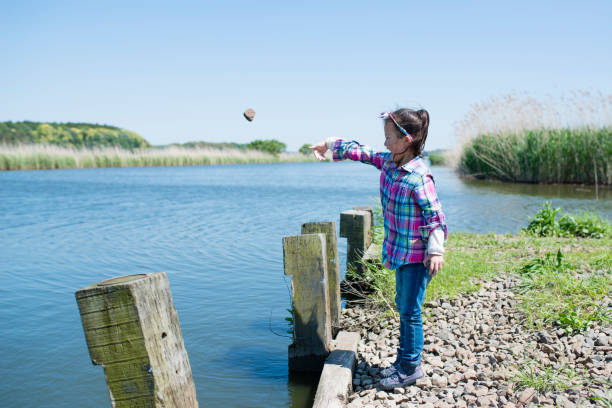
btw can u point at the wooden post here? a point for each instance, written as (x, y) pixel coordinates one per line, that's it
(333, 270)
(305, 261)
(367, 208)
(132, 330)
(356, 226)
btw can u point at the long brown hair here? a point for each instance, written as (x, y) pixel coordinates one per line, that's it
(416, 123)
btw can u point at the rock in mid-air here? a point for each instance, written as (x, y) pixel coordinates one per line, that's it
(249, 114)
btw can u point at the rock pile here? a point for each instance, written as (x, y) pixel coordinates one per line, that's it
(475, 346)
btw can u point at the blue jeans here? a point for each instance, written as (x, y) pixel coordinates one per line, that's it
(410, 283)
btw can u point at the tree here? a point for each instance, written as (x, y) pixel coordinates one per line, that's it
(305, 149)
(270, 146)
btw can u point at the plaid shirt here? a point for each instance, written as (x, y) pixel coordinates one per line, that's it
(410, 205)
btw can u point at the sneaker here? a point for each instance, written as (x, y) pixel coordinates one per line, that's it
(389, 371)
(402, 377)
(392, 369)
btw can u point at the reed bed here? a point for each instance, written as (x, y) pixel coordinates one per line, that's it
(521, 139)
(41, 157)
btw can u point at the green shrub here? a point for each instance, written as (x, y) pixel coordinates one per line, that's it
(587, 225)
(305, 149)
(437, 159)
(270, 146)
(551, 222)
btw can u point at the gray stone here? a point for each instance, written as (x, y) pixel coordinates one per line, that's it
(355, 404)
(469, 388)
(454, 378)
(481, 390)
(381, 395)
(444, 335)
(469, 374)
(439, 381)
(527, 395)
(602, 340)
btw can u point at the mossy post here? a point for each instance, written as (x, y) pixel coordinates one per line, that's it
(356, 226)
(306, 262)
(132, 330)
(333, 270)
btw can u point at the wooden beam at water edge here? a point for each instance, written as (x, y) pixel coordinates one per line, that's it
(333, 270)
(306, 262)
(132, 330)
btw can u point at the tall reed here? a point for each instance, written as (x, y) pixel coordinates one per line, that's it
(521, 139)
(38, 157)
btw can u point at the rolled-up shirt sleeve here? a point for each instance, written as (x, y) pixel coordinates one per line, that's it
(431, 210)
(435, 244)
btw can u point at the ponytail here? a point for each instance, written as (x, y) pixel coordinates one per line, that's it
(417, 124)
(424, 116)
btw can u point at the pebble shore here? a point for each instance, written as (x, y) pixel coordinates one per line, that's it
(475, 345)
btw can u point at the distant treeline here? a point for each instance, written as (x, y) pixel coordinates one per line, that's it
(269, 146)
(87, 135)
(70, 134)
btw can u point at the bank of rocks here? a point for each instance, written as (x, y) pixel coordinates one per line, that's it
(474, 347)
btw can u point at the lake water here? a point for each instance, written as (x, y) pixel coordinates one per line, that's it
(217, 232)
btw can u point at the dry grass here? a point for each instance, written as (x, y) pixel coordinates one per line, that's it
(516, 113)
(35, 157)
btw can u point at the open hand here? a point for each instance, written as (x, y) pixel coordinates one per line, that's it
(434, 263)
(319, 150)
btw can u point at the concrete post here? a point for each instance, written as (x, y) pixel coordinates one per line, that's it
(132, 330)
(305, 261)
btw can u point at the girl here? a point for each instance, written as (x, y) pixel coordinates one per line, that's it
(415, 227)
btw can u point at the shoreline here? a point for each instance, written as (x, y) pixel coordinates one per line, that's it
(476, 347)
(510, 320)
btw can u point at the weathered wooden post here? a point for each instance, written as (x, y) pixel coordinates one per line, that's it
(333, 270)
(305, 261)
(132, 330)
(367, 208)
(356, 226)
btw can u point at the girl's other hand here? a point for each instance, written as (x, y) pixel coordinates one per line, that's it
(319, 150)
(434, 263)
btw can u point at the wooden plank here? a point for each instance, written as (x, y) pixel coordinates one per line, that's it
(132, 330)
(356, 226)
(333, 270)
(337, 377)
(305, 261)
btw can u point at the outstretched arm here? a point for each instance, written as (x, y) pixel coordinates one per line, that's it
(351, 150)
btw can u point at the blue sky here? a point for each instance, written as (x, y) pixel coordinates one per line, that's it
(181, 71)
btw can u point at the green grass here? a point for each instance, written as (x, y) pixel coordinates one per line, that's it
(542, 156)
(543, 378)
(602, 399)
(37, 157)
(556, 292)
